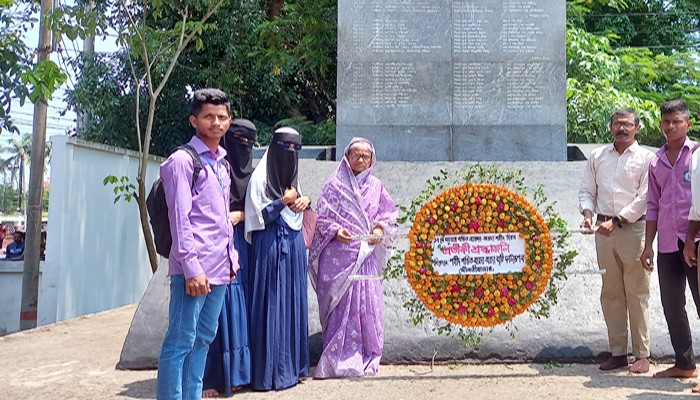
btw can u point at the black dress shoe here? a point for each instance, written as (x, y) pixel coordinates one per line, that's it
(614, 363)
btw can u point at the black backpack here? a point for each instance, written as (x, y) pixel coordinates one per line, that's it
(158, 208)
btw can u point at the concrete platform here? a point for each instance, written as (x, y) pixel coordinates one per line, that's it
(575, 332)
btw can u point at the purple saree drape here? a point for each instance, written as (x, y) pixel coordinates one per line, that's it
(351, 310)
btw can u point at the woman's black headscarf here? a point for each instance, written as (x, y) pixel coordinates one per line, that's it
(239, 154)
(282, 162)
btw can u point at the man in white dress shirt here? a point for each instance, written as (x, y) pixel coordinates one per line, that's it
(614, 188)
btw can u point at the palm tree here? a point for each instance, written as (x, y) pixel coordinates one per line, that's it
(20, 150)
(4, 169)
(9, 165)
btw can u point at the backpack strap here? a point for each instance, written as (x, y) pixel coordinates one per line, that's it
(196, 160)
(227, 166)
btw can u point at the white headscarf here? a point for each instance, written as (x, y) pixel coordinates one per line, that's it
(257, 200)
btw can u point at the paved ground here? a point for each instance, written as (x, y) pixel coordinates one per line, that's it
(75, 360)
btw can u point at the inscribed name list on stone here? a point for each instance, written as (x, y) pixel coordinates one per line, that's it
(476, 254)
(449, 80)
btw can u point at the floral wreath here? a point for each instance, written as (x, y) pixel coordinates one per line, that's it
(487, 299)
(475, 194)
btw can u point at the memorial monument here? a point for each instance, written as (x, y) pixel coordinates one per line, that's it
(453, 80)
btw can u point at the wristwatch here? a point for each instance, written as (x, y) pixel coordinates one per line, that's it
(617, 221)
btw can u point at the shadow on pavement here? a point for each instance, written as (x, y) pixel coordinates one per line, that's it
(568, 354)
(661, 396)
(430, 377)
(655, 386)
(140, 390)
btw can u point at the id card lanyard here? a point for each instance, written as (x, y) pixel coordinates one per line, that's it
(215, 170)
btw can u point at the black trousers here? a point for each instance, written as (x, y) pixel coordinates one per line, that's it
(673, 275)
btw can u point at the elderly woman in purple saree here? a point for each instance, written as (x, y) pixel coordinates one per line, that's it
(352, 204)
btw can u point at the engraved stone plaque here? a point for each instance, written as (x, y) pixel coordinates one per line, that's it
(447, 80)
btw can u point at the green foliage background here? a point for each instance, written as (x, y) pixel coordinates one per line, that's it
(630, 53)
(277, 71)
(20, 76)
(277, 59)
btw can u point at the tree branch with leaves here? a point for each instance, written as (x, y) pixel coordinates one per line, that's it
(157, 66)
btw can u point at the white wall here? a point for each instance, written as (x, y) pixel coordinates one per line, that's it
(95, 257)
(11, 295)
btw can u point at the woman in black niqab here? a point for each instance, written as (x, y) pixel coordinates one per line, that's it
(238, 142)
(283, 162)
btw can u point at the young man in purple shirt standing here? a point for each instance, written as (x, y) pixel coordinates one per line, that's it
(669, 201)
(202, 258)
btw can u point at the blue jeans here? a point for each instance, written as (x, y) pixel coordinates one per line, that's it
(192, 327)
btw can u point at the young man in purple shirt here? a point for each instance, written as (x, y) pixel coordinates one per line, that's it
(202, 258)
(669, 201)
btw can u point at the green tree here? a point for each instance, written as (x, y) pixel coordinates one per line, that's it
(45, 198)
(15, 59)
(592, 94)
(277, 63)
(151, 56)
(22, 79)
(277, 59)
(605, 73)
(104, 93)
(660, 25)
(660, 77)
(9, 195)
(8, 198)
(300, 43)
(20, 150)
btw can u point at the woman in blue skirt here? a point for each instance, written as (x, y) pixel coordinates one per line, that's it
(228, 361)
(277, 278)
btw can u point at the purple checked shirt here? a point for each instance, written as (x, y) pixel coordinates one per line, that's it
(669, 196)
(199, 219)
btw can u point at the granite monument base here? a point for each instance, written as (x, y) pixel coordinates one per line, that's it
(575, 331)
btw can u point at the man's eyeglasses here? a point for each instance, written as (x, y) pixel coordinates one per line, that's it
(619, 124)
(289, 145)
